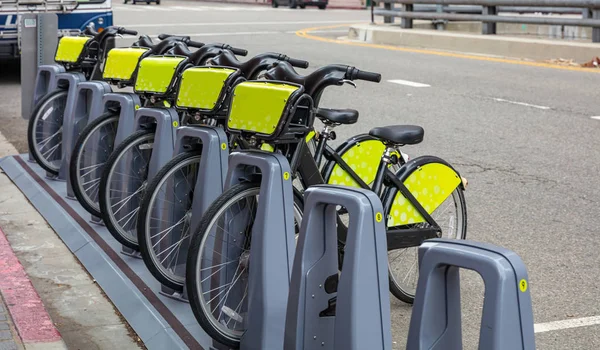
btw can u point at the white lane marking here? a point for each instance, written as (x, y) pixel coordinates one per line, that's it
(152, 25)
(597, 117)
(408, 83)
(157, 8)
(319, 31)
(521, 103)
(189, 8)
(134, 9)
(566, 324)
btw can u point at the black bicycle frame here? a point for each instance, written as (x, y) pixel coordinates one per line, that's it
(307, 166)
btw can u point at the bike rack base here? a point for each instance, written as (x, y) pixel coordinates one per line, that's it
(160, 322)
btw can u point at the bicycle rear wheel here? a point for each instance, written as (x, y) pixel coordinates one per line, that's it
(442, 197)
(218, 289)
(123, 184)
(44, 132)
(90, 154)
(163, 224)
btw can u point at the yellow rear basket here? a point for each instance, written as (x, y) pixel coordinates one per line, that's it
(70, 48)
(122, 62)
(261, 107)
(431, 184)
(204, 88)
(157, 73)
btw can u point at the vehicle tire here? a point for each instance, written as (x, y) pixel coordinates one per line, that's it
(274, 4)
(81, 172)
(302, 6)
(454, 205)
(137, 167)
(322, 7)
(243, 195)
(177, 177)
(47, 118)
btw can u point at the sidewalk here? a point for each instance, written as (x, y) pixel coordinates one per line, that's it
(53, 301)
(9, 339)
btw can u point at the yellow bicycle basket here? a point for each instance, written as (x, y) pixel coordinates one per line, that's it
(205, 88)
(122, 62)
(156, 74)
(69, 49)
(263, 108)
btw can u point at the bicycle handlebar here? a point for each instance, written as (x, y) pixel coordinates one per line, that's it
(237, 51)
(122, 30)
(356, 74)
(192, 43)
(316, 82)
(297, 63)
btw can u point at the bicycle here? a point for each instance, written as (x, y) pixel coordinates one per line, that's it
(87, 161)
(83, 54)
(222, 317)
(119, 203)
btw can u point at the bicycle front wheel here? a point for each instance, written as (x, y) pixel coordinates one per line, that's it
(123, 184)
(163, 225)
(90, 154)
(44, 132)
(219, 259)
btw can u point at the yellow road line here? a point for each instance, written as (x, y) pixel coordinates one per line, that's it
(305, 33)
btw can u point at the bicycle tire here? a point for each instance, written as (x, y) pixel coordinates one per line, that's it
(104, 199)
(388, 201)
(74, 164)
(31, 130)
(145, 242)
(194, 256)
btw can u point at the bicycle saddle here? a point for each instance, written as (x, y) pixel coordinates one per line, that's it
(399, 134)
(337, 116)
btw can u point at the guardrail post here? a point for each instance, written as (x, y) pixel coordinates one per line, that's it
(388, 6)
(596, 30)
(489, 27)
(407, 23)
(440, 23)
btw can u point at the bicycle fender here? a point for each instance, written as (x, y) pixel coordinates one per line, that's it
(431, 181)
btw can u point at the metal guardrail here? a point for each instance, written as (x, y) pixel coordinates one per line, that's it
(487, 12)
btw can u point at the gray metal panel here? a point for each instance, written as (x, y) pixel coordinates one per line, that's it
(507, 318)
(272, 248)
(38, 45)
(362, 312)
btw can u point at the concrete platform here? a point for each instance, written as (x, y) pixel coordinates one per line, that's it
(525, 48)
(160, 322)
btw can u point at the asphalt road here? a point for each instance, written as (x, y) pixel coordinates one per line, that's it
(523, 136)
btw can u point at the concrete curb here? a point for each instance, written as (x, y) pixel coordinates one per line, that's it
(534, 49)
(30, 318)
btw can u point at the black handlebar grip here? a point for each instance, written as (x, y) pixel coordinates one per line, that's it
(238, 51)
(297, 63)
(127, 31)
(192, 43)
(368, 76)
